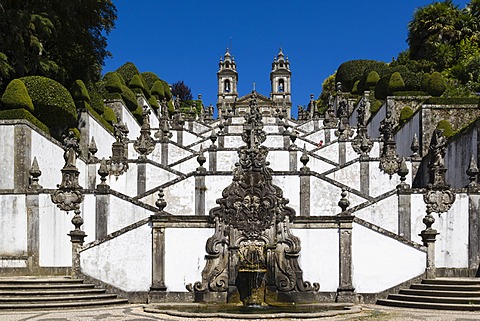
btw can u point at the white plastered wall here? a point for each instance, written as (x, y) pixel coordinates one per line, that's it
(50, 160)
(123, 213)
(13, 225)
(7, 162)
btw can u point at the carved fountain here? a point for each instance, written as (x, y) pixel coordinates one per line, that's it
(252, 257)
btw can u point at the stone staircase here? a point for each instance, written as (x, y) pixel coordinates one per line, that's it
(440, 294)
(27, 293)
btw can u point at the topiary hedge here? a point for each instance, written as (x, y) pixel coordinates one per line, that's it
(375, 106)
(24, 114)
(153, 102)
(166, 90)
(381, 89)
(353, 70)
(79, 91)
(405, 114)
(16, 96)
(150, 79)
(395, 83)
(436, 85)
(453, 101)
(129, 98)
(128, 71)
(372, 79)
(109, 115)
(447, 128)
(113, 84)
(97, 92)
(424, 83)
(158, 90)
(54, 106)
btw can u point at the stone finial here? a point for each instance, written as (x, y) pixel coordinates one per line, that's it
(92, 150)
(304, 159)
(415, 146)
(472, 172)
(103, 172)
(293, 136)
(213, 139)
(35, 173)
(160, 203)
(201, 159)
(402, 172)
(221, 126)
(344, 202)
(144, 144)
(77, 220)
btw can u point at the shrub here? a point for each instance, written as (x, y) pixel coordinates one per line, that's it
(53, 103)
(353, 70)
(158, 90)
(381, 89)
(153, 102)
(150, 79)
(425, 79)
(375, 106)
(16, 96)
(113, 84)
(436, 85)
(79, 91)
(355, 87)
(372, 79)
(166, 89)
(409, 93)
(136, 82)
(395, 83)
(129, 98)
(109, 115)
(138, 114)
(405, 114)
(96, 92)
(447, 128)
(99, 118)
(453, 101)
(24, 114)
(127, 71)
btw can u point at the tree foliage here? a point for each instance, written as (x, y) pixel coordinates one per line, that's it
(62, 40)
(182, 91)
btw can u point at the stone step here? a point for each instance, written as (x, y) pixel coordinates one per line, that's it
(440, 293)
(27, 293)
(435, 299)
(426, 305)
(52, 292)
(42, 298)
(60, 305)
(446, 287)
(453, 281)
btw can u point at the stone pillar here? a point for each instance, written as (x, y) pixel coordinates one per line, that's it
(158, 254)
(33, 237)
(345, 291)
(141, 177)
(404, 213)
(212, 159)
(286, 140)
(342, 152)
(22, 159)
(180, 137)
(102, 211)
(429, 236)
(164, 152)
(200, 193)
(221, 140)
(77, 237)
(327, 135)
(91, 175)
(292, 153)
(473, 232)
(365, 175)
(304, 194)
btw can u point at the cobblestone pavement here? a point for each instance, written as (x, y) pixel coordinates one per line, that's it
(136, 313)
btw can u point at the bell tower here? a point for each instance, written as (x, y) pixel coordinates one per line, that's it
(280, 79)
(227, 77)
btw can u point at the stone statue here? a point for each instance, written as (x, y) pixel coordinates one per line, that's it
(72, 149)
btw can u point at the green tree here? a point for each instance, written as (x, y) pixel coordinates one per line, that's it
(62, 40)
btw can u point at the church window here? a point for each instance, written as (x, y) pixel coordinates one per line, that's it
(226, 86)
(281, 86)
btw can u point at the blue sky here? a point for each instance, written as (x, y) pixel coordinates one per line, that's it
(184, 39)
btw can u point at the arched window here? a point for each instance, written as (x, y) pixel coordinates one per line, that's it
(281, 86)
(226, 86)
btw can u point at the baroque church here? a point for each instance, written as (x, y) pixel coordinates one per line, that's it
(188, 210)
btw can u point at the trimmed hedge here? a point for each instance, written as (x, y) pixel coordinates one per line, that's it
(436, 85)
(109, 115)
(425, 79)
(79, 91)
(447, 128)
(372, 79)
(395, 83)
(113, 84)
(24, 114)
(355, 87)
(99, 118)
(96, 92)
(153, 102)
(453, 101)
(381, 89)
(129, 98)
(158, 89)
(353, 70)
(409, 93)
(128, 71)
(166, 90)
(375, 106)
(16, 96)
(136, 82)
(150, 79)
(54, 106)
(405, 114)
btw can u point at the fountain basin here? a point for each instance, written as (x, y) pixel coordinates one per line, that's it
(228, 311)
